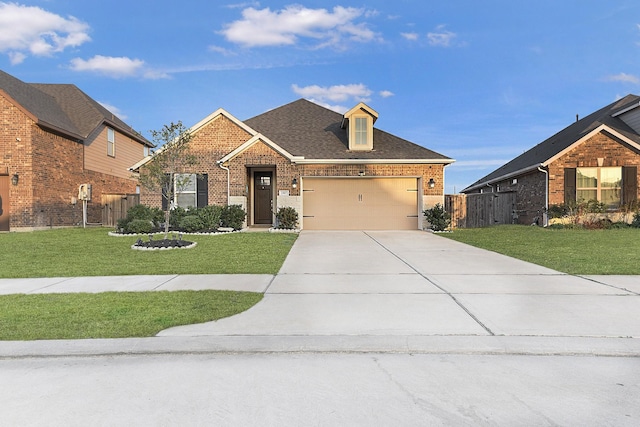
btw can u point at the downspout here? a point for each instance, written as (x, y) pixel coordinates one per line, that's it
(545, 214)
(228, 180)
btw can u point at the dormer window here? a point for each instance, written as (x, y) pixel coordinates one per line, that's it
(359, 124)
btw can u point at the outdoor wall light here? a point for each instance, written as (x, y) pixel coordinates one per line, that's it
(361, 173)
(294, 183)
(432, 183)
(14, 179)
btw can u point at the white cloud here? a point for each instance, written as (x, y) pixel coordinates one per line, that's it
(410, 36)
(31, 30)
(337, 93)
(221, 50)
(624, 78)
(441, 37)
(114, 110)
(116, 67)
(386, 93)
(265, 27)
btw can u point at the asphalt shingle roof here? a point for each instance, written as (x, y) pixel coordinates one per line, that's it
(304, 128)
(564, 139)
(63, 107)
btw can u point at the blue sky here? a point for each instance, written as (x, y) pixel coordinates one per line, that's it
(480, 82)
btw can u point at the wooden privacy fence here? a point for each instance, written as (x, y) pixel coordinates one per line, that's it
(115, 207)
(481, 210)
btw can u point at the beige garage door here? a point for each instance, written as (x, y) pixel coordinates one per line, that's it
(360, 203)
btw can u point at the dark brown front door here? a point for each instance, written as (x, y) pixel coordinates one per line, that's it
(263, 197)
(4, 203)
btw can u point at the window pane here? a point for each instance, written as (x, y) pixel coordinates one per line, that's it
(587, 178)
(586, 195)
(185, 182)
(361, 130)
(611, 177)
(611, 198)
(186, 200)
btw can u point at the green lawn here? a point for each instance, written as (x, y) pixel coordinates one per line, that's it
(113, 314)
(572, 251)
(92, 252)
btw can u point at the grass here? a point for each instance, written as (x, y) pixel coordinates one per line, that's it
(91, 252)
(113, 314)
(572, 251)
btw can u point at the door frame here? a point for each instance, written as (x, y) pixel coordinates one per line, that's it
(274, 181)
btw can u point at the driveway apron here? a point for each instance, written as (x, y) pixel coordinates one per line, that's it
(412, 283)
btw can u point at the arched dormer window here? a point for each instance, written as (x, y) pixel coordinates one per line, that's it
(359, 124)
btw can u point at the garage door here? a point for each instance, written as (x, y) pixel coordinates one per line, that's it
(360, 203)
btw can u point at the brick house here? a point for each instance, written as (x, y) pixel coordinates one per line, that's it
(337, 171)
(54, 138)
(595, 158)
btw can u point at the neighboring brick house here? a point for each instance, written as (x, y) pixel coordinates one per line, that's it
(337, 171)
(595, 158)
(53, 139)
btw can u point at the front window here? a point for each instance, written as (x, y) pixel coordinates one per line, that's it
(361, 131)
(185, 190)
(111, 142)
(601, 184)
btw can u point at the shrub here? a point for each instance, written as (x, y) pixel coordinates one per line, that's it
(141, 212)
(232, 216)
(176, 215)
(559, 211)
(636, 220)
(191, 223)
(139, 226)
(438, 218)
(210, 216)
(287, 217)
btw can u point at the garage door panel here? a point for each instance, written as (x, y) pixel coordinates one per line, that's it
(360, 203)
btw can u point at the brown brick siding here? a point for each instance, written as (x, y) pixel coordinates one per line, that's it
(50, 168)
(613, 153)
(530, 196)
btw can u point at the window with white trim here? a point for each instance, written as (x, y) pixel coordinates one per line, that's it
(111, 142)
(185, 190)
(603, 184)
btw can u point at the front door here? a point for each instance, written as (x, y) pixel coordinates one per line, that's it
(4, 203)
(263, 197)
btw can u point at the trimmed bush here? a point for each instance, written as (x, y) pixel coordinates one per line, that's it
(232, 216)
(210, 216)
(191, 223)
(139, 226)
(287, 217)
(636, 220)
(439, 219)
(176, 215)
(141, 212)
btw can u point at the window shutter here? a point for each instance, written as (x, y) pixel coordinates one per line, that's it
(569, 186)
(165, 195)
(629, 184)
(202, 188)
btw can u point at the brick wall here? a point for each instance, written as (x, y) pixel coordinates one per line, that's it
(613, 153)
(50, 169)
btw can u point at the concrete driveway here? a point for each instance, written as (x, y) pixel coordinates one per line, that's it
(413, 283)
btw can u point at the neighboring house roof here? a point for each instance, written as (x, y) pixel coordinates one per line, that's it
(63, 108)
(310, 131)
(607, 119)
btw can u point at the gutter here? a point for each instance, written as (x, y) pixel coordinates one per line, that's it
(545, 214)
(219, 163)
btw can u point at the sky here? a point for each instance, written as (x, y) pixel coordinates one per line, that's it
(478, 81)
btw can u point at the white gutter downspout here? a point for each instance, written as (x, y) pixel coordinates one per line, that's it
(545, 214)
(228, 180)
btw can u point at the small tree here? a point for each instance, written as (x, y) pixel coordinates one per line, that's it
(167, 170)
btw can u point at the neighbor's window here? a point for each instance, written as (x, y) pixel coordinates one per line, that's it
(601, 184)
(361, 131)
(111, 142)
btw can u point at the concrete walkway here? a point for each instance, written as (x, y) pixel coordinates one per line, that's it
(385, 291)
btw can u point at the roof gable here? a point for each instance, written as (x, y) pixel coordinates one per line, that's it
(315, 133)
(604, 119)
